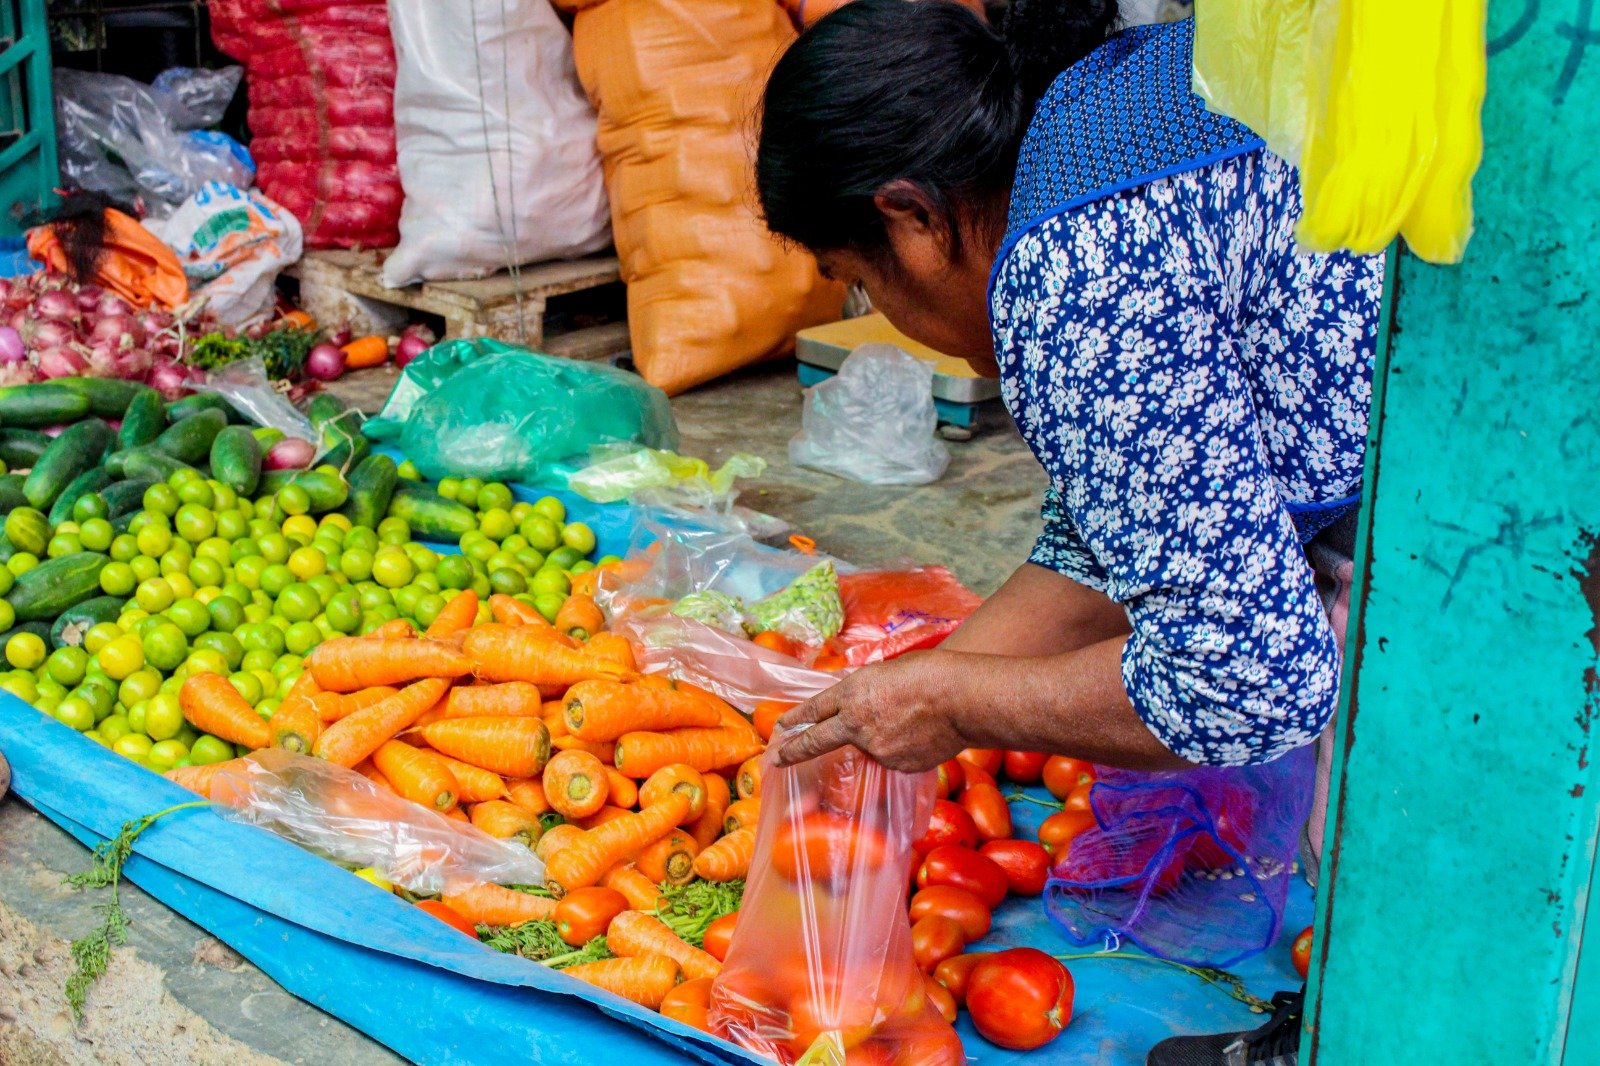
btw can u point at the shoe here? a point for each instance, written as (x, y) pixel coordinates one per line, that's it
(1277, 1043)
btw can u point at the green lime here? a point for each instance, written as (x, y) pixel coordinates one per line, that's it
(154, 540)
(8, 616)
(227, 613)
(92, 505)
(65, 665)
(392, 568)
(467, 491)
(194, 523)
(276, 578)
(139, 685)
(274, 547)
(448, 487)
(428, 608)
(374, 595)
(164, 754)
(299, 603)
(75, 714)
(550, 581)
(189, 615)
(197, 490)
(231, 525)
(307, 563)
(96, 534)
(453, 572)
(361, 537)
(563, 558)
(207, 661)
(258, 659)
(548, 604)
(206, 572)
(99, 635)
(409, 471)
(530, 559)
(163, 717)
(508, 581)
(21, 563)
(144, 567)
(154, 594)
(494, 495)
(497, 524)
(123, 657)
(113, 728)
(551, 508)
(344, 611)
(224, 644)
(165, 645)
(541, 532)
(356, 564)
(579, 537)
(162, 499)
(302, 637)
(327, 587)
(394, 531)
(208, 749)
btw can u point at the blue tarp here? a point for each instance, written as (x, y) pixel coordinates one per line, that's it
(436, 997)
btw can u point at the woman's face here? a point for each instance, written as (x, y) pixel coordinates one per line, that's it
(925, 294)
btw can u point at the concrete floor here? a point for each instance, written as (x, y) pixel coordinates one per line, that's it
(179, 996)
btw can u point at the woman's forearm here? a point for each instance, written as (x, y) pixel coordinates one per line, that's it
(1071, 703)
(1039, 612)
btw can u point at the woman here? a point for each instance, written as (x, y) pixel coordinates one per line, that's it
(1058, 207)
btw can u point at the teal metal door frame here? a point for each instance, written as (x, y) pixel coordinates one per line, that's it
(1459, 864)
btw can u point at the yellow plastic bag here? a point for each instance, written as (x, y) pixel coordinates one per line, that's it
(1377, 103)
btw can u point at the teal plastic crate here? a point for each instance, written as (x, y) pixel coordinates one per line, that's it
(28, 171)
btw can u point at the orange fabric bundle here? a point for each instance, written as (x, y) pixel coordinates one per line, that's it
(709, 289)
(135, 265)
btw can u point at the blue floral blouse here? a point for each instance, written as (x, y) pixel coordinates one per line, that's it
(1188, 380)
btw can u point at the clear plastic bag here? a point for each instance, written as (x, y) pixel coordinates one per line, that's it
(195, 98)
(656, 478)
(738, 671)
(342, 816)
(820, 966)
(115, 136)
(245, 385)
(874, 421)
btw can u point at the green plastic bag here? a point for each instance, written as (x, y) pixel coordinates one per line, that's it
(481, 408)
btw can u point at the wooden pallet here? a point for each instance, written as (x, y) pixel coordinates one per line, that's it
(343, 287)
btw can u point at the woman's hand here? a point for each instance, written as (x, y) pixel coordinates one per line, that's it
(896, 712)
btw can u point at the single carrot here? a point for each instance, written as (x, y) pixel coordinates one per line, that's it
(766, 714)
(708, 827)
(669, 859)
(555, 839)
(458, 614)
(332, 706)
(622, 791)
(605, 814)
(395, 629)
(676, 778)
(613, 648)
(198, 778)
(457, 814)
(355, 736)
(485, 904)
(417, 775)
(604, 710)
(744, 814)
(641, 754)
(729, 858)
(364, 352)
(474, 783)
(295, 725)
(554, 711)
(634, 933)
(512, 698)
(513, 612)
(528, 793)
(512, 747)
(505, 653)
(645, 979)
(640, 892)
(212, 705)
(580, 617)
(582, 862)
(748, 779)
(605, 751)
(373, 774)
(575, 784)
(297, 320)
(303, 691)
(345, 664)
(507, 821)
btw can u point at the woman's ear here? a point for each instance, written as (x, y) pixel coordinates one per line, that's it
(919, 232)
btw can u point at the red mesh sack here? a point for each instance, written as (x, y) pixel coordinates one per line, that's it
(320, 75)
(891, 612)
(820, 966)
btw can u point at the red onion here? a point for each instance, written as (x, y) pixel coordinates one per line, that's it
(112, 304)
(56, 304)
(290, 453)
(12, 350)
(169, 379)
(18, 374)
(153, 322)
(122, 331)
(131, 364)
(61, 363)
(414, 340)
(7, 289)
(325, 362)
(48, 334)
(89, 297)
(341, 337)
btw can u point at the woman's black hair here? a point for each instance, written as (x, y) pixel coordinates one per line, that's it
(918, 98)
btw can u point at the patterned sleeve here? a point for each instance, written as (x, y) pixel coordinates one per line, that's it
(1125, 377)
(1059, 547)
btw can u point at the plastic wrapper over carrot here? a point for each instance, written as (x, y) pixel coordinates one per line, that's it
(342, 816)
(820, 969)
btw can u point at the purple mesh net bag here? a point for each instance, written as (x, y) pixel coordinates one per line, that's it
(1191, 865)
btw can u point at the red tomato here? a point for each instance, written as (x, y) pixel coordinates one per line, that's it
(1078, 798)
(951, 777)
(688, 1003)
(1020, 999)
(964, 868)
(924, 1046)
(585, 913)
(448, 916)
(934, 939)
(1060, 829)
(950, 824)
(1300, 952)
(989, 811)
(941, 998)
(974, 775)
(1025, 864)
(968, 910)
(719, 936)
(1024, 767)
(827, 848)
(954, 973)
(987, 758)
(1063, 774)
(1233, 823)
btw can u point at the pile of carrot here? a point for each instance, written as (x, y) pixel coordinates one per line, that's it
(542, 734)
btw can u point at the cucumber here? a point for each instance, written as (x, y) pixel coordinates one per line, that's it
(122, 522)
(28, 529)
(146, 417)
(11, 496)
(430, 515)
(76, 621)
(125, 497)
(21, 448)
(108, 397)
(371, 487)
(327, 490)
(190, 439)
(145, 462)
(236, 459)
(194, 403)
(44, 403)
(53, 586)
(77, 449)
(91, 480)
(344, 443)
(323, 408)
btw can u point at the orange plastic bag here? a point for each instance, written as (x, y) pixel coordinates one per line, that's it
(806, 12)
(820, 968)
(890, 612)
(136, 265)
(709, 289)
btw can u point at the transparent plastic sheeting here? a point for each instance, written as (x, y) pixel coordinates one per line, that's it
(821, 958)
(340, 815)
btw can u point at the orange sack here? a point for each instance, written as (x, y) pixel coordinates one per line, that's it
(136, 265)
(806, 12)
(709, 289)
